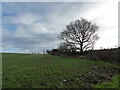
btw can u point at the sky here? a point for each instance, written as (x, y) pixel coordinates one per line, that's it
(34, 26)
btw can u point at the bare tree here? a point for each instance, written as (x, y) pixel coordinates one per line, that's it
(81, 33)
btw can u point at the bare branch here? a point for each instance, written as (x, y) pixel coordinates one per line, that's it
(80, 32)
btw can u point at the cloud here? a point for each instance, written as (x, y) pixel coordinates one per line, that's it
(107, 20)
(30, 34)
(27, 41)
(34, 27)
(25, 19)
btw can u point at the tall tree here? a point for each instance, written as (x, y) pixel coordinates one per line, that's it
(81, 33)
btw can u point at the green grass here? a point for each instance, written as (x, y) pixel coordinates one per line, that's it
(109, 84)
(45, 71)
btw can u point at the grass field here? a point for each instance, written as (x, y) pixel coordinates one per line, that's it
(109, 84)
(48, 71)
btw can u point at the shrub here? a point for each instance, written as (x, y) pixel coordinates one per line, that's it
(105, 54)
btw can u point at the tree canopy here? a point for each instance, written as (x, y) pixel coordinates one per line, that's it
(81, 33)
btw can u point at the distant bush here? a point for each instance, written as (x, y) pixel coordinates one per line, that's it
(104, 54)
(111, 55)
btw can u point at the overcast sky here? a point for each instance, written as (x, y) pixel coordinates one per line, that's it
(35, 26)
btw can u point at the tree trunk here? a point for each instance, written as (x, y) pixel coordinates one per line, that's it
(81, 48)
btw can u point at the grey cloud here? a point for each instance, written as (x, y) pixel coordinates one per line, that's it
(31, 43)
(41, 32)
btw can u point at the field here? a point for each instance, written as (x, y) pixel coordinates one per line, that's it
(48, 71)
